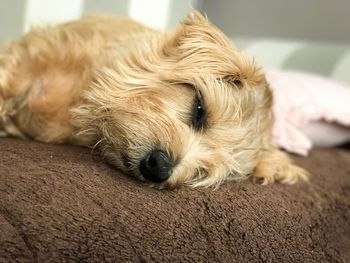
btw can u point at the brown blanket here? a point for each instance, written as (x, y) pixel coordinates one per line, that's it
(61, 204)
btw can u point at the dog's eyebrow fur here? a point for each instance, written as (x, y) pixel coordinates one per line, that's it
(233, 80)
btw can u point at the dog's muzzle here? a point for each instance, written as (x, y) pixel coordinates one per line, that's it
(156, 166)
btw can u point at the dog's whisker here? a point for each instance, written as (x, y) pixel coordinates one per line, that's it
(97, 144)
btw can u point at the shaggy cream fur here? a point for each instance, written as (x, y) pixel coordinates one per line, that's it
(112, 83)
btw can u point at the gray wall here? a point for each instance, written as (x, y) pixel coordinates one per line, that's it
(325, 20)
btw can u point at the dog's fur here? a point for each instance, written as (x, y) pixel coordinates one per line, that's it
(113, 83)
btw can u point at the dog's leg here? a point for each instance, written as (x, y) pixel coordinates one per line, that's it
(39, 83)
(275, 166)
(9, 63)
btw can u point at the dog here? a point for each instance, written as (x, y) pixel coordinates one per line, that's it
(179, 108)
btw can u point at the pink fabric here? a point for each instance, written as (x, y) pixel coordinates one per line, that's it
(301, 99)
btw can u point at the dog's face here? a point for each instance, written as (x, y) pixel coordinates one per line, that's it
(188, 108)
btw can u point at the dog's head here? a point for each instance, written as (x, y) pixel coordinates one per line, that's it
(185, 108)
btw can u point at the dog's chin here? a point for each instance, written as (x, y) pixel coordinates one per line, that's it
(136, 175)
(163, 185)
(169, 184)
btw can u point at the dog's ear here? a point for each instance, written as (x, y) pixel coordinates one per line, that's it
(198, 42)
(196, 29)
(176, 37)
(195, 16)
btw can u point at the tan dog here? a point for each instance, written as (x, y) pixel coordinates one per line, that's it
(179, 108)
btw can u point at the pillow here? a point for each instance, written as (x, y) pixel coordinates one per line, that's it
(309, 111)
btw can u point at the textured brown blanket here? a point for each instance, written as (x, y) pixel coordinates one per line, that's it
(59, 204)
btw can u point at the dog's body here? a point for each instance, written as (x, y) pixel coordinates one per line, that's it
(180, 108)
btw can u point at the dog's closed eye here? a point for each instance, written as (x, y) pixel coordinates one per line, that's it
(197, 117)
(198, 113)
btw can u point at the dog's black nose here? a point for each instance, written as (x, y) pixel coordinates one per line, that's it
(156, 166)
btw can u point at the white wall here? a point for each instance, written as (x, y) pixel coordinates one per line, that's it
(324, 20)
(17, 16)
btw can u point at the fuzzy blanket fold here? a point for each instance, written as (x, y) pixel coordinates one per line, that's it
(303, 100)
(58, 204)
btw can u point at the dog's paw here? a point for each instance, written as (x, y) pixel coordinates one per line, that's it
(275, 166)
